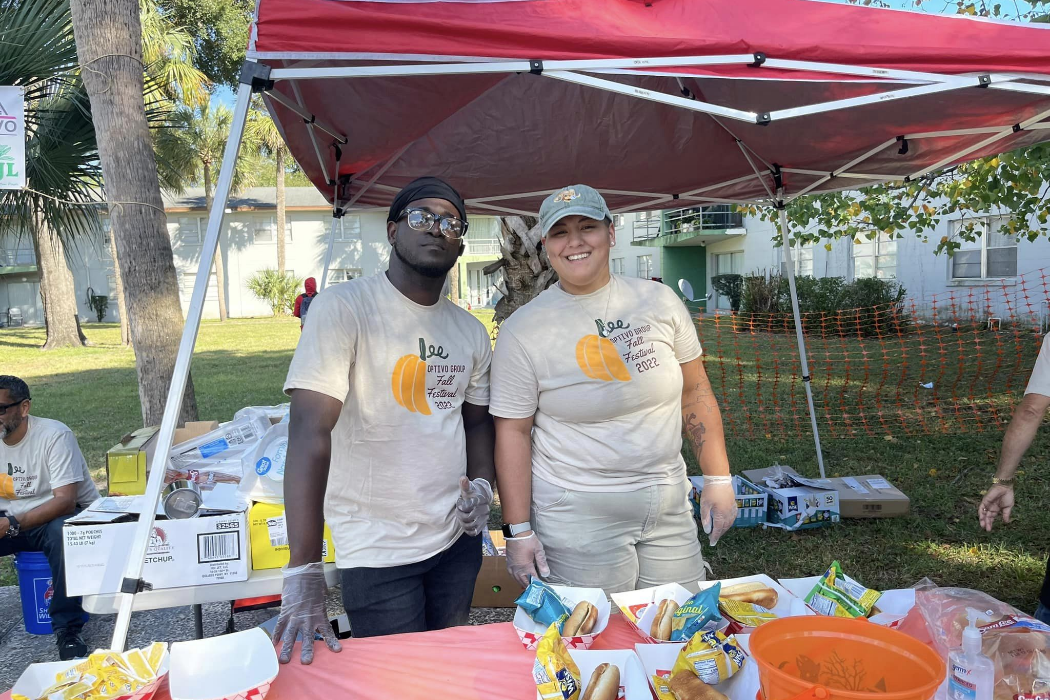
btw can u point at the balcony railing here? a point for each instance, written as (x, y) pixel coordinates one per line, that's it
(19, 256)
(718, 217)
(483, 246)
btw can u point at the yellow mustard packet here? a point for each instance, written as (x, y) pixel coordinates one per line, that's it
(711, 656)
(557, 676)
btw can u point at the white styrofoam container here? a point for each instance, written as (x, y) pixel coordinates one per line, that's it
(238, 666)
(659, 659)
(633, 685)
(639, 607)
(39, 677)
(784, 596)
(530, 632)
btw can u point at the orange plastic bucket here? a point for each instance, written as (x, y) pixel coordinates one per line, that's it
(841, 659)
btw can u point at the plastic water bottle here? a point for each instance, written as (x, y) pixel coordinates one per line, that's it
(971, 674)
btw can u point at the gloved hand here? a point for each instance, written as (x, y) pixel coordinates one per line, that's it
(473, 504)
(717, 506)
(526, 558)
(303, 612)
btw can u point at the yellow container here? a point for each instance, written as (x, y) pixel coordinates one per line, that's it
(126, 463)
(268, 534)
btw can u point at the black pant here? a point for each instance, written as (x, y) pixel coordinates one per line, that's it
(66, 613)
(429, 595)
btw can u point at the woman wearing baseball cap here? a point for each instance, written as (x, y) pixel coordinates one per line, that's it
(592, 384)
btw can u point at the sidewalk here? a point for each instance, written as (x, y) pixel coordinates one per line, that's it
(19, 649)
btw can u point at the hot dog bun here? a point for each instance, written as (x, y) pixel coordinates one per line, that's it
(604, 683)
(753, 592)
(686, 686)
(582, 621)
(661, 627)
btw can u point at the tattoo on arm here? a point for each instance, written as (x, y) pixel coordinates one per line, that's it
(695, 429)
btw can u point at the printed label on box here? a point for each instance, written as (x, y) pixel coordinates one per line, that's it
(278, 530)
(218, 546)
(879, 484)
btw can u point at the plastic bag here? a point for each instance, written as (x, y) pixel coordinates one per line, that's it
(557, 676)
(836, 594)
(712, 656)
(263, 466)
(543, 604)
(1016, 643)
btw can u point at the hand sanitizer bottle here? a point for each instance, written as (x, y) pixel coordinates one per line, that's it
(971, 674)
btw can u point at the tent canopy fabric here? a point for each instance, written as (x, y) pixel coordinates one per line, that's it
(663, 108)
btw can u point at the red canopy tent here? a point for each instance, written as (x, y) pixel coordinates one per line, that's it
(657, 103)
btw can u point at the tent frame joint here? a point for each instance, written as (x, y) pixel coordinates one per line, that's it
(1016, 127)
(536, 67)
(984, 80)
(257, 75)
(133, 585)
(760, 58)
(763, 119)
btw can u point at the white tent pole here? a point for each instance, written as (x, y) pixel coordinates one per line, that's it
(336, 216)
(172, 408)
(786, 238)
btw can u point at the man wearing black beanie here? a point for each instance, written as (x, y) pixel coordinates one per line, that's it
(391, 437)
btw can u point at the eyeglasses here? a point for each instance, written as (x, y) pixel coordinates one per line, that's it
(4, 407)
(423, 220)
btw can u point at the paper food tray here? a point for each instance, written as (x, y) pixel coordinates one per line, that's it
(658, 659)
(633, 685)
(893, 606)
(39, 677)
(530, 632)
(784, 595)
(238, 666)
(639, 607)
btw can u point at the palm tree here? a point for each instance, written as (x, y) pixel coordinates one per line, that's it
(191, 146)
(262, 131)
(60, 203)
(526, 269)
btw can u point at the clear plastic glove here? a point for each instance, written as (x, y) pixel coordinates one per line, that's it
(717, 506)
(473, 505)
(526, 558)
(303, 613)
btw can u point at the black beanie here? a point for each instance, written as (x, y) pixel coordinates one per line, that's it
(422, 188)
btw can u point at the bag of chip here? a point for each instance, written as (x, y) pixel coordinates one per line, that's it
(747, 614)
(694, 614)
(712, 656)
(557, 676)
(837, 595)
(662, 689)
(543, 604)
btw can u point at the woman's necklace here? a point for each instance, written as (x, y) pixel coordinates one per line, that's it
(599, 322)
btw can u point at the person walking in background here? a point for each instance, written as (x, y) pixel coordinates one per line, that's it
(593, 382)
(303, 301)
(390, 437)
(44, 480)
(999, 501)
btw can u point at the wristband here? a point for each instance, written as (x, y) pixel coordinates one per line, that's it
(720, 479)
(996, 481)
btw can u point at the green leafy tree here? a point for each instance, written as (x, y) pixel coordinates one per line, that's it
(220, 33)
(278, 289)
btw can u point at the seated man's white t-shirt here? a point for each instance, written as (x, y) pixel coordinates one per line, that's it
(601, 375)
(46, 458)
(402, 371)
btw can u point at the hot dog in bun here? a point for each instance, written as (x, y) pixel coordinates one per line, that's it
(604, 683)
(582, 621)
(686, 686)
(753, 592)
(661, 627)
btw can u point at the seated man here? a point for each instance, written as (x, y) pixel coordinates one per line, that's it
(43, 480)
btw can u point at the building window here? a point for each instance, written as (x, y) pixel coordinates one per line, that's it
(335, 276)
(647, 215)
(189, 230)
(727, 264)
(348, 229)
(802, 256)
(645, 267)
(111, 280)
(107, 235)
(616, 265)
(619, 220)
(190, 278)
(876, 258)
(992, 256)
(265, 230)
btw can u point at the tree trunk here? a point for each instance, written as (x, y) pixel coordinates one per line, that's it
(109, 45)
(281, 216)
(526, 269)
(118, 281)
(453, 284)
(219, 267)
(56, 290)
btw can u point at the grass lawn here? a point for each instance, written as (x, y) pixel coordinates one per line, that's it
(243, 362)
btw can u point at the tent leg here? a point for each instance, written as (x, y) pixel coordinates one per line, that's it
(328, 254)
(798, 334)
(136, 555)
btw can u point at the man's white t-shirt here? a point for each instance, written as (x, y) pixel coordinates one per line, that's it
(601, 375)
(402, 371)
(1039, 382)
(46, 458)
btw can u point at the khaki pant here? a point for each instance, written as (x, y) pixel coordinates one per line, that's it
(618, 541)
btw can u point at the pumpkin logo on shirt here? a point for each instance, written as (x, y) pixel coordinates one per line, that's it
(598, 358)
(409, 381)
(7, 486)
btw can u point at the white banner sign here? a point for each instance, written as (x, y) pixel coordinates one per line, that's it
(12, 138)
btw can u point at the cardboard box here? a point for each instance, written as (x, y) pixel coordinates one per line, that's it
(751, 501)
(127, 462)
(268, 534)
(802, 505)
(190, 552)
(495, 587)
(869, 496)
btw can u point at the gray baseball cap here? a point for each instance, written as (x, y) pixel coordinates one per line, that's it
(575, 200)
